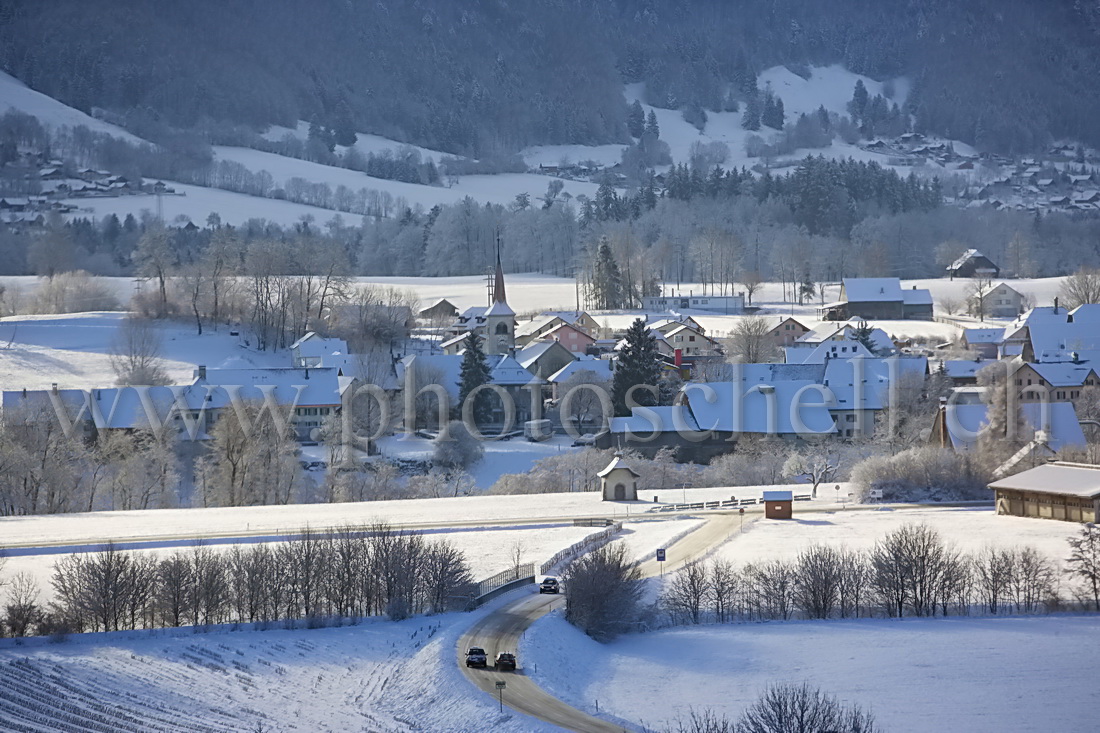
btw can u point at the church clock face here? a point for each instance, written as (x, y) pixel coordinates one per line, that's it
(502, 342)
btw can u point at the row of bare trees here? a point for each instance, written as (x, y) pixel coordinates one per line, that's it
(341, 574)
(909, 572)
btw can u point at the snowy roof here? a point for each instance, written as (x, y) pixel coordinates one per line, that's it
(1057, 341)
(1087, 313)
(778, 495)
(915, 296)
(616, 462)
(1064, 374)
(454, 340)
(963, 368)
(832, 349)
(964, 257)
(531, 353)
(770, 373)
(645, 421)
(570, 317)
(536, 324)
(1071, 479)
(499, 308)
(783, 408)
(313, 345)
(551, 334)
(509, 372)
(441, 369)
(984, 335)
(600, 367)
(872, 289)
(311, 386)
(964, 422)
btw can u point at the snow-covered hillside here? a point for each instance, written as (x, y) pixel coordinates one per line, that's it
(73, 351)
(16, 95)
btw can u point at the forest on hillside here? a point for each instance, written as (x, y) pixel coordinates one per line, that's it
(483, 77)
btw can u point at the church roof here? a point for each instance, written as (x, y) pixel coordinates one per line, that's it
(617, 462)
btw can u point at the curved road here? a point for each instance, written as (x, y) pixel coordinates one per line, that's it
(501, 630)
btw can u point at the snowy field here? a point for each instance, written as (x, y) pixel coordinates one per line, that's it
(969, 529)
(16, 95)
(917, 675)
(377, 676)
(73, 350)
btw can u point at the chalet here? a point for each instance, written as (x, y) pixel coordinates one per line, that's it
(963, 372)
(571, 337)
(1068, 492)
(537, 328)
(543, 358)
(784, 330)
(879, 340)
(879, 298)
(310, 350)
(983, 340)
(580, 370)
(1004, 302)
(690, 342)
(973, 263)
(1087, 197)
(1054, 381)
(438, 312)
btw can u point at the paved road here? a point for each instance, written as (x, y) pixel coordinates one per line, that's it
(500, 632)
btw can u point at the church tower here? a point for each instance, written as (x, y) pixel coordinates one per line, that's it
(500, 319)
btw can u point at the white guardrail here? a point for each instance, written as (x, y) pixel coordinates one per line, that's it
(590, 542)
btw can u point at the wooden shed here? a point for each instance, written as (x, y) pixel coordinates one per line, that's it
(1069, 492)
(619, 481)
(778, 504)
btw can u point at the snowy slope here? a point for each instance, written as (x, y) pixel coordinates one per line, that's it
(500, 188)
(197, 202)
(365, 143)
(917, 675)
(73, 350)
(16, 95)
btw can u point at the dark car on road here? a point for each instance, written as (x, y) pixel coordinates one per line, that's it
(549, 585)
(476, 657)
(505, 660)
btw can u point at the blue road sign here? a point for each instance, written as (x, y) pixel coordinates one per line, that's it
(661, 555)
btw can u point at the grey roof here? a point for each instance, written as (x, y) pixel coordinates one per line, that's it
(1068, 479)
(915, 296)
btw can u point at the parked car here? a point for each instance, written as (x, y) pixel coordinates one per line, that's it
(549, 585)
(505, 660)
(476, 657)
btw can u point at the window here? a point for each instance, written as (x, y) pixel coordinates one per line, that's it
(849, 418)
(502, 329)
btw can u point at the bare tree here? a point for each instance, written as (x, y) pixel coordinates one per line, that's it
(791, 708)
(751, 280)
(136, 354)
(516, 554)
(1080, 288)
(455, 448)
(750, 343)
(22, 612)
(818, 465)
(1084, 561)
(688, 593)
(605, 591)
(976, 294)
(818, 580)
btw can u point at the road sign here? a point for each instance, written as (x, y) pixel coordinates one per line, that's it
(501, 684)
(661, 555)
(741, 510)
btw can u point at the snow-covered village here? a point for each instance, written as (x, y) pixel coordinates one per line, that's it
(664, 367)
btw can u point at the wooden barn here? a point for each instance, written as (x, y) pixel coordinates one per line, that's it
(778, 504)
(1069, 492)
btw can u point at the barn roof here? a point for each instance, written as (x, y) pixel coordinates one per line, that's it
(872, 289)
(1068, 479)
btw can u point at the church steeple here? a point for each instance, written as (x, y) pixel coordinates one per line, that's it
(500, 319)
(498, 285)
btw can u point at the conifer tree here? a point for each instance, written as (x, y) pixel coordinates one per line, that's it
(750, 118)
(607, 285)
(473, 374)
(651, 127)
(635, 120)
(638, 364)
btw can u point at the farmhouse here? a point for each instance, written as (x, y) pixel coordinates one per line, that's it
(440, 310)
(973, 263)
(709, 303)
(879, 298)
(1069, 492)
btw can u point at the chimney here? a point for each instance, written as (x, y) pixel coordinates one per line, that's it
(53, 387)
(201, 372)
(307, 372)
(1055, 304)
